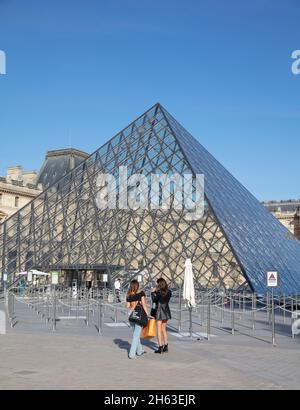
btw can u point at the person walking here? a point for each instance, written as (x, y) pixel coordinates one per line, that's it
(134, 297)
(117, 286)
(161, 296)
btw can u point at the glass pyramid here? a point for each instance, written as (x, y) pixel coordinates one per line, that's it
(232, 245)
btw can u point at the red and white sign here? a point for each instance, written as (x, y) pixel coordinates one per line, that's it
(272, 279)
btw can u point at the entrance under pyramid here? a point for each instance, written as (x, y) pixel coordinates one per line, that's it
(232, 245)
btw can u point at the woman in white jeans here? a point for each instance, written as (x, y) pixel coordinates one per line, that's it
(134, 296)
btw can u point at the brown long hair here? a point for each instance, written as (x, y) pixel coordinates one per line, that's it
(133, 288)
(162, 286)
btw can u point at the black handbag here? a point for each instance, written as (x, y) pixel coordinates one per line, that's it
(154, 309)
(139, 316)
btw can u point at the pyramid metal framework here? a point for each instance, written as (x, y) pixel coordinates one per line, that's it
(232, 246)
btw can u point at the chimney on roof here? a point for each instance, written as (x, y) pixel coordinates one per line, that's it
(14, 173)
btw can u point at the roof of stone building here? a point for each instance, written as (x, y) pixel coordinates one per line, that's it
(290, 205)
(58, 163)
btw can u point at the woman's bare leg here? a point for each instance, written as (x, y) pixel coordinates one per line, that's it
(164, 331)
(159, 332)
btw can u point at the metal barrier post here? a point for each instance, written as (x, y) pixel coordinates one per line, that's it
(88, 310)
(77, 310)
(116, 314)
(191, 322)
(222, 308)
(284, 308)
(38, 302)
(100, 318)
(13, 305)
(208, 317)
(292, 316)
(232, 314)
(253, 310)
(48, 309)
(11, 309)
(179, 308)
(269, 308)
(273, 320)
(54, 310)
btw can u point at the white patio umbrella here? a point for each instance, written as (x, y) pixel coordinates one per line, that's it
(188, 286)
(189, 290)
(39, 273)
(33, 272)
(21, 273)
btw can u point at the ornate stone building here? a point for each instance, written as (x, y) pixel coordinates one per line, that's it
(16, 190)
(19, 187)
(288, 213)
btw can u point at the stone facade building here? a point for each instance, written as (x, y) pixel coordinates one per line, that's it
(16, 190)
(19, 187)
(288, 213)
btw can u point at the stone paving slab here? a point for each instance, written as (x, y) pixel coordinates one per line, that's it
(72, 362)
(76, 357)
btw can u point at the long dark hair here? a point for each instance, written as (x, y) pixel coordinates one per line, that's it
(133, 288)
(162, 286)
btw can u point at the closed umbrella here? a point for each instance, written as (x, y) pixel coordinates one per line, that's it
(189, 290)
(39, 273)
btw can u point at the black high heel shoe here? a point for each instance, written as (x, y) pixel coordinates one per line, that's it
(166, 349)
(159, 350)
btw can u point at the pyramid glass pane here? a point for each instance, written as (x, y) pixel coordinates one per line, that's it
(260, 242)
(231, 246)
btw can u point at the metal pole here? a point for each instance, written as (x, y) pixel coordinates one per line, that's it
(100, 318)
(77, 312)
(253, 311)
(38, 302)
(208, 317)
(222, 309)
(292, 316)
(284, 314)
(273, 320)
(88, 310)
(54, 310)
(179, 307)
(116, 314)
(191, 322)
(269, 310)
(202, 309)
(232, 314)
(13, 305)
(48, 309)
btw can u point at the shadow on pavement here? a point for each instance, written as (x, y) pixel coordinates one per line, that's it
(122, 344)
(125, 345)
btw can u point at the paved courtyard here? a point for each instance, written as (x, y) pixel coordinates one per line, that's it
(76, 357)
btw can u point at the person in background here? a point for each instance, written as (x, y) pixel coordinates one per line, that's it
(117, 286)
(161, 296)
(135, 296)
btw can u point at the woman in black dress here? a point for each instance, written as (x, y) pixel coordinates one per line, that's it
(161, 296)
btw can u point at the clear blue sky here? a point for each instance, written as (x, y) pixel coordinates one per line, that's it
(79, 71)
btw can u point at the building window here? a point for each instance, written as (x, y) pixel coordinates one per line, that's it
(17, 201)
